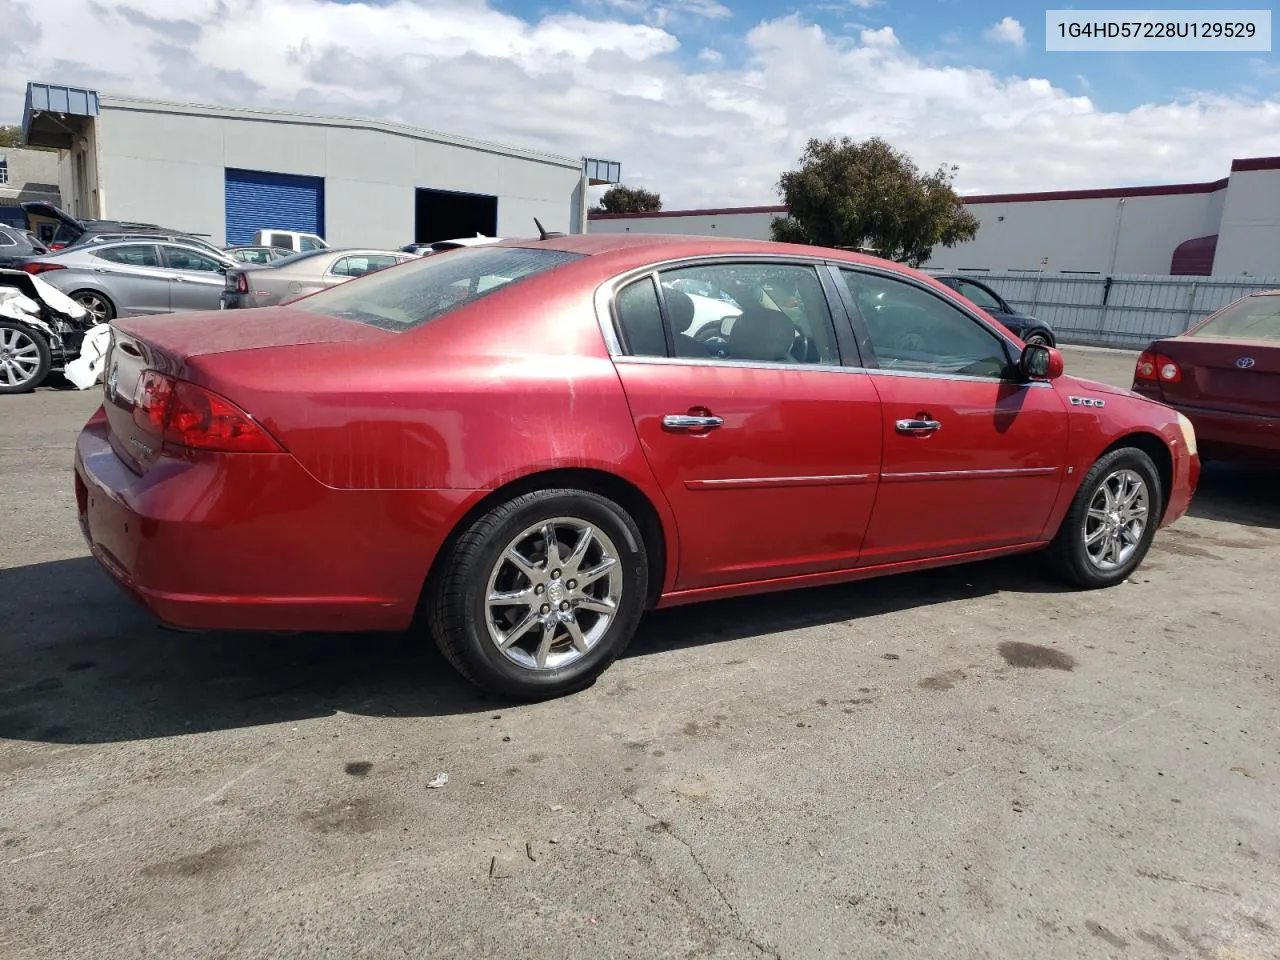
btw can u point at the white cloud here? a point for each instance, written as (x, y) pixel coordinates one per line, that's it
(866, 4)
(698, 132)
(714, 57)
(884, 37)
(1008, 31)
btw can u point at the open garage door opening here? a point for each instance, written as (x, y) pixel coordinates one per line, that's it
(445, 215)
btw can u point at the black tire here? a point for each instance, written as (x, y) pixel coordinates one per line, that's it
(1043, 337)
(458, 615)
(16, 374)
(1068, 553)
(108, 309)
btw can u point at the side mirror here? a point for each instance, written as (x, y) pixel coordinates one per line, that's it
(1039, 362)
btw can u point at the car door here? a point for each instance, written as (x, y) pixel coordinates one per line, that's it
(974, 456)
(196, 281)
(768, 454)
(133, 276)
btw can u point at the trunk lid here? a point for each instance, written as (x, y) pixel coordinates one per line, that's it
(166, 343)
(1240, 376)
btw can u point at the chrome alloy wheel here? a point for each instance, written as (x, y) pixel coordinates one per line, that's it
(1116, 519)
(553, 593)
(19, 357)
(96, 306)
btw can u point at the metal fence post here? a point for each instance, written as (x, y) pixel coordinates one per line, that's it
(1191, 303)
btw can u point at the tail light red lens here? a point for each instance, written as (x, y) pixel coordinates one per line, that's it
(187, 415)
(1146, 367)
(1155, 367)
(34, 268)
(242, 284)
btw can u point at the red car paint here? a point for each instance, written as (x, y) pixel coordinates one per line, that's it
(1228, 385)
(376, 445)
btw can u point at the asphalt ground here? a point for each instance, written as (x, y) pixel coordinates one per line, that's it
(972, 762)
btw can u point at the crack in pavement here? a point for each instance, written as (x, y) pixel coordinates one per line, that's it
(748, 935)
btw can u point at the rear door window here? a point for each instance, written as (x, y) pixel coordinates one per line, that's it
(134, 255)
(429, 287)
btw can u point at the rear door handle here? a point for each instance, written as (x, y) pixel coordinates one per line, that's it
(918, 428)
(689, 421)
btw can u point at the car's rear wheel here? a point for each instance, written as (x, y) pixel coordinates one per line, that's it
(99, 305)
(1112, 520)
(24, 358)
(540, 594)
(1040, 338)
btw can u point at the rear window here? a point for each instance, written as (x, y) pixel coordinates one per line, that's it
(422, 290)
(1254, 318)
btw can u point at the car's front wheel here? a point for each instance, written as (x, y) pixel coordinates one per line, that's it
(1112, 520)
(1039, 338)
(24, 358)
(541, 594)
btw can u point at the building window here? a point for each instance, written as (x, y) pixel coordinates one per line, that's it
(4, 169)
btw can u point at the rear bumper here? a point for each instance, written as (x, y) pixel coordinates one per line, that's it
(1234, 435)
(253, 542)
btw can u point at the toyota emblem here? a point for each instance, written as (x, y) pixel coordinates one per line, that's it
(1244, 363)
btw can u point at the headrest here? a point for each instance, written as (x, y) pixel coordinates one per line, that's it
(681, 307)
(762, 334)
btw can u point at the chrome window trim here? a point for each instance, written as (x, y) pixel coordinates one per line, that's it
(819, 368)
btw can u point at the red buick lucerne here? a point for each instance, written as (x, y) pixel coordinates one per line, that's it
(521, 447)
(1224, 374)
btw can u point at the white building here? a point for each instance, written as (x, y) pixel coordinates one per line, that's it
(226, 172)
(1228, 227)
(27, 175)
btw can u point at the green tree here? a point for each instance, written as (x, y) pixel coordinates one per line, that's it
(10, 136)
(622, 199)
(871, 195)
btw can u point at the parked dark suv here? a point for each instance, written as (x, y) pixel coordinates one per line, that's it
(1028, 329)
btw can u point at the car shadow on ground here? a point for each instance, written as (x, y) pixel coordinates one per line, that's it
(81, 663)
(1238, 494)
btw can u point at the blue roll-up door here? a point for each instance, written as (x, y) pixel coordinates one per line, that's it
(257, 200)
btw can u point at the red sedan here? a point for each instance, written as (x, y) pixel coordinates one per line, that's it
(1224, 374)
(522, 444)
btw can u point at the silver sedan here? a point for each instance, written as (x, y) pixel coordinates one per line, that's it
(130, 278)
(249, 285)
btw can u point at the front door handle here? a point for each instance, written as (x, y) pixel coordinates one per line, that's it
(689, 421)
(918, 428)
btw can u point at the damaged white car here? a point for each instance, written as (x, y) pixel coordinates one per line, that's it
(43, 331)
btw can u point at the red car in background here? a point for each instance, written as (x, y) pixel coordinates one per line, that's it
(1224, 375)
(519, 448)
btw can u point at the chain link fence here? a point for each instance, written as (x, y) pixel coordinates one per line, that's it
(1125, 310)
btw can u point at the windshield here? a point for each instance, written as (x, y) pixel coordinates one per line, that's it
(1254, 318)
(414, 293)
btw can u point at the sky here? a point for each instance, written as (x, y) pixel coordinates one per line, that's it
(704, 101)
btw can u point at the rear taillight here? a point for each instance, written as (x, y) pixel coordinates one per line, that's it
(1146, 367)
(42, 267)
(242, 284)
(1155, 367)
(187, 415)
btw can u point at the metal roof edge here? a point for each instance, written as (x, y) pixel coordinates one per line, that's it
(141, 104)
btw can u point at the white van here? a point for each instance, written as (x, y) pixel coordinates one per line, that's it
(289, 240)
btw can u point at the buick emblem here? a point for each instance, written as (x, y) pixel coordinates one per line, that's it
(1244, 363)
